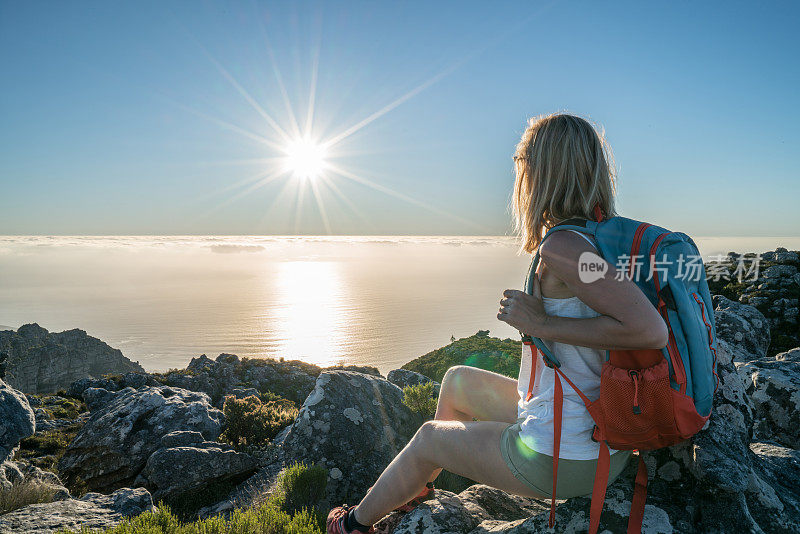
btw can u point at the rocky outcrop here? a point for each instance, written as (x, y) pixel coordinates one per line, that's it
(478, 505)
(112, 448)
(773, 288)
(743, 327)
(773, 386)
(92, 511)
(17, 420)
(37, 361)
(183, 465)
(17, 473)
(350, 423)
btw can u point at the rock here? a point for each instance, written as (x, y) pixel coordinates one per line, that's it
(364, 369)
(136, 380)
(774, 389)
(92, 511)
(289, 379)
(38, 361)
(777, 486)
(181, 438)
(77, 388)
(96, 398)
(23, 472)
(172, 472)
(112, 448)
(445, 514)
(743, 326)
(17, 420)
(353, 423)
(404, 378)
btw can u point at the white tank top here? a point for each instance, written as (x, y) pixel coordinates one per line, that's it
(582, 365)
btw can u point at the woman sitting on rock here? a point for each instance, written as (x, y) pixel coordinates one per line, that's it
(498, 431)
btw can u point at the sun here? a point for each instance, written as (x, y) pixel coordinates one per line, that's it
(305, 159)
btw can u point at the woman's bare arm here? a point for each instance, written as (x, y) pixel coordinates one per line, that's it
(628, 320)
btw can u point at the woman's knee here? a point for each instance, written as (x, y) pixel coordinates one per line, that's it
(427, 435)
(454, 378)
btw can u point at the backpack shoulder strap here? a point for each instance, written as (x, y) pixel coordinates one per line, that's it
(583, 226)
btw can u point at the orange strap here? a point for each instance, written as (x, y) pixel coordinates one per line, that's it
(599, 489)
(534, 361)
(558, 403)
(639, 497)
(603, 460)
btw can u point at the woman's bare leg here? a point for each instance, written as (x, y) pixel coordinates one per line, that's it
(470, 449)
(469, 392)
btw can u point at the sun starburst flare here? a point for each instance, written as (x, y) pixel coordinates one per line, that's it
(307, 159)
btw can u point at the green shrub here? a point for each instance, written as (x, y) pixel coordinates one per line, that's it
(67, 408)
(301, 487)
(25, 493)
(250, 422)
(44, 449)
(490, 353)
(263, 519)
(420, 399)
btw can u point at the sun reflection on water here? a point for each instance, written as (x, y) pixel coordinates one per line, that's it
(311, 313)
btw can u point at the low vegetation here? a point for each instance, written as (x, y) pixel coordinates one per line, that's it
(300, 485)
(251, 422)
(490, 353)
(421, 399)
(24, 493)
(44, 449)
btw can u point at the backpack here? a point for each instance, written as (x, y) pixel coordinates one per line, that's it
(649, 398)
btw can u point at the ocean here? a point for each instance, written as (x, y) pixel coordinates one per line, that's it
(374, 300)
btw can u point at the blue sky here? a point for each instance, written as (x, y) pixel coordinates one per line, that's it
(118, 117)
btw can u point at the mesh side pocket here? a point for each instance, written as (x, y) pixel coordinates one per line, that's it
(637, 406)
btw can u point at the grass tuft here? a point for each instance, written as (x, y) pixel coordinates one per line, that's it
(24, 493)
(299, 486)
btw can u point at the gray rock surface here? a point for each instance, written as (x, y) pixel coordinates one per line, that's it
(743, 326)
(353, 423)
(172, 472)
(773, 385)
(37, 361)
(91, 511)
(17, 419)
(112, 448)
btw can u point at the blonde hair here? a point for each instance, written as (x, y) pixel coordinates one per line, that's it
(564, 168)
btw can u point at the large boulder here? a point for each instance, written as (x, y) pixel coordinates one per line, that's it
(113, 446)
(172, 472)
(92, 511)
(37, 361)
(742, 326)
(225, 375)
(353, 424)
(17, 419)
(773, 385)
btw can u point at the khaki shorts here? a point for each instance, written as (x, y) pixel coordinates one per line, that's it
(575, 477)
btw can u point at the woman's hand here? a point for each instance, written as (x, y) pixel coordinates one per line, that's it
(522, 311)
